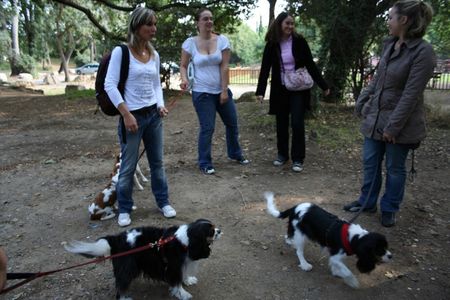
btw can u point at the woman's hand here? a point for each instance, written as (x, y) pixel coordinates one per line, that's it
(163, 111)
(3, 263)
(388, 138)
(224, 97)
(326, 92)
(130, 123)
(259, 98)
(184, 85)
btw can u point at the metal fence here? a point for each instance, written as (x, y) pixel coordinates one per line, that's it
(440, 81)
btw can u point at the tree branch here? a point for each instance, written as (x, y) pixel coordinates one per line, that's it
(90, 16)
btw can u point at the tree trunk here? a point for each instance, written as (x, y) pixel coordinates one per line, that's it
(271, 11)
(15, 50)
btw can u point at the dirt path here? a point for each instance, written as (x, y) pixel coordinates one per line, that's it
(56, 155)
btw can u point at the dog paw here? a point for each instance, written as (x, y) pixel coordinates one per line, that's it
(107, 216)
(351, 281)
(180, 293)
(288, 240)
(191, 280)
(305, 267)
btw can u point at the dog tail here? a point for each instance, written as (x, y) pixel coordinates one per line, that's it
(99, 248)
(272, 209)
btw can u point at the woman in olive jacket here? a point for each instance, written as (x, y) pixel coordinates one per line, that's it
(391, 107)
(286, 50)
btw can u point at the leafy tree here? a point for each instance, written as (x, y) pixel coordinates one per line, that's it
(247, 46)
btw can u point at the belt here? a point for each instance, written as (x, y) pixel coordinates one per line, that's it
(144, 110)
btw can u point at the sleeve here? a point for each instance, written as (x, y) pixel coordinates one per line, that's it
(264, 71)
(419, 75)
(157, 83)
(312, 67)
(113, 77)
(224, 43)
(187, 45)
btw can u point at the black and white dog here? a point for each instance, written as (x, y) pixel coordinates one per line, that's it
(173, 259)
(309, 221)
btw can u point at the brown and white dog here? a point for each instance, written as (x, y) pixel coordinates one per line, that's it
(103, 206)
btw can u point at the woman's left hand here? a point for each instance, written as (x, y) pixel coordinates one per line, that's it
(326, 92)
(223, 97)
(163, 111)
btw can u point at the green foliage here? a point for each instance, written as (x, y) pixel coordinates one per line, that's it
(439, 29)
(26, 64)
(246, 45)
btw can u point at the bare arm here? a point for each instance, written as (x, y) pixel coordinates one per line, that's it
(224, 75)
(185, 57)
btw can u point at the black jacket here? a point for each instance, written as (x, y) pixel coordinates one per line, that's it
(271, 60)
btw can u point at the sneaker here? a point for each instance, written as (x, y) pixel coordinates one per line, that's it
(297, 167)
(168, 211)
(208, 170)
(242, 161)
(387, 218)
(124, 219)
(355, 206)
(279, 162)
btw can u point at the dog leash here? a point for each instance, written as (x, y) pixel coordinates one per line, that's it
(32, 276)
(173, 100)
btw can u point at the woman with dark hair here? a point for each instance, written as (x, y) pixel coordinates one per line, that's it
(286, 51)
(210, 55)
(142, 109)
(392, 110)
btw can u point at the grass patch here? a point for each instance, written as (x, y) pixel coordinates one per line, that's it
(89, 93)
(438, 116)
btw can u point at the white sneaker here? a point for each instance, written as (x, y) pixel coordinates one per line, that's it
(168, 211)
(124, 219)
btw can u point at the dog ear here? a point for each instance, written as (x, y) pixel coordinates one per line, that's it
(198, 248)
(366, 262)
(366, 253)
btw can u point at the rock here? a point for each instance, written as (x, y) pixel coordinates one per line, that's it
(25, 77)
(3, 77)
(51, 78)
(246, 97)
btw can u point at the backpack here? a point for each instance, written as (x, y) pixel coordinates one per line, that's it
(103, 101)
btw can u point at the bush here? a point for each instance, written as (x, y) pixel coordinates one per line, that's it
(26, 64)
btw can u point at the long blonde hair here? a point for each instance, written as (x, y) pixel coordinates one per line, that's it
(140, 16)
(419, 15)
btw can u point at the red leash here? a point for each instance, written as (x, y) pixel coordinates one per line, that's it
(161, 242)
(173, 100)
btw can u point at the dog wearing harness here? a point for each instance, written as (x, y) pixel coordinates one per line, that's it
(308, 221)
(173, 257)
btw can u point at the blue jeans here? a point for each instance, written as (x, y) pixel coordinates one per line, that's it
(206, 105)
(151, 133)
(373, 154)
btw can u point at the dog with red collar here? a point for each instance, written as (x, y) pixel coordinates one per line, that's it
(308, 221)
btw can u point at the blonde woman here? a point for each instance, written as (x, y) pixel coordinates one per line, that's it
(392, 110)
(142, 109)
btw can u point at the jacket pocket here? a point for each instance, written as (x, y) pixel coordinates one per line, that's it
(366, 107)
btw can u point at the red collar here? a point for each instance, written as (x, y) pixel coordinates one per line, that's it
(345, 239)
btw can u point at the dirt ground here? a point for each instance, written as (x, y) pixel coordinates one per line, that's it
(56, 155)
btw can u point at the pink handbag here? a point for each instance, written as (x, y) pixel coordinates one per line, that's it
(298, 80)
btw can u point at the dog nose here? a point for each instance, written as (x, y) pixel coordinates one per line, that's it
(389, 256)
(219, 231)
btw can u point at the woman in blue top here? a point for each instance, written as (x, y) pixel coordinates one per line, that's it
(210, 54)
